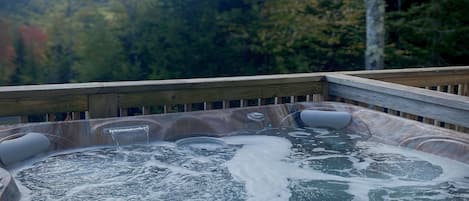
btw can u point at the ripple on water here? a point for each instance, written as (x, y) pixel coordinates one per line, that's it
(307, 164)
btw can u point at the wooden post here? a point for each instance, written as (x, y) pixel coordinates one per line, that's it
(103, 105)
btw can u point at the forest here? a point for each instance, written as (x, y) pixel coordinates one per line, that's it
(68, 41)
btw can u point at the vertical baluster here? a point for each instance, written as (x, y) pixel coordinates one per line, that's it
(50, 117)
(317, 98)
(123, 112)
(225, 104)
(466, 90)
(24, 119)
(450, 89)
(276, 100)
(145, 110)
(460, 89)
(448, 126)
(435, 122)
(460, 92)
(413, 117)
(292, 99)
(308, 98)
(428, 121)
(207, 106)
(188, 107)
(75, 115)
(259, 101)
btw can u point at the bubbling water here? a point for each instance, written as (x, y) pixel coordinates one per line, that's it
(277, 164)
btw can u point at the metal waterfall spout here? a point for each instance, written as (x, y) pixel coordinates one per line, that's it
(129, 134)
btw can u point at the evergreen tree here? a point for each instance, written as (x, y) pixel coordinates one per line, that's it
(428, 33)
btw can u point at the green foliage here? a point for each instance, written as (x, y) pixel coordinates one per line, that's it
(317, 35)
(100, 54)
(60, 41)
(432, 33)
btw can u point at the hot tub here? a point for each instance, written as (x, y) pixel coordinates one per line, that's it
(254, 130)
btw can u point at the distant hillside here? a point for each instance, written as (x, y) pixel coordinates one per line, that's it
(60, 41)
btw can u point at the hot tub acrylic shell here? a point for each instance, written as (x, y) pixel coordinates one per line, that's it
(381, 127)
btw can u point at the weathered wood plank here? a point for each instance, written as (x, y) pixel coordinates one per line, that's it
(23, 100)
(457, 75)
(103, 105)
(25, 106)
(410, 92)
(419, 77)
(436, 105)
(158, 85)
(217, 94)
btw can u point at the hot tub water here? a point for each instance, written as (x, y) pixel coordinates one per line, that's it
(277, 164)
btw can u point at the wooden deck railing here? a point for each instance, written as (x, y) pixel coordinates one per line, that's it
(400, 92)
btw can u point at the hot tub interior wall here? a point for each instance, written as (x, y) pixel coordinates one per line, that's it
(381, 127)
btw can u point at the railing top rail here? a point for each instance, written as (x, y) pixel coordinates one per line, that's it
(408, 92)
(132, 86)
(379, 73)
(7, 92)
(441, 106)
(403, 76)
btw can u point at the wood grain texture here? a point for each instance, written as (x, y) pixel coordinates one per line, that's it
(144, 86)
(215, 93)
(25, 106)
(431, 104)
(103, 105)
(419, 77)
(37, 99)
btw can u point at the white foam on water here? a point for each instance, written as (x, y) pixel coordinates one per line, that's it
(361, 186)
(299, 134)
(320, 149)
(80, 188)
(260, 165)
(452, 169)
(354, 136)
(321, 131)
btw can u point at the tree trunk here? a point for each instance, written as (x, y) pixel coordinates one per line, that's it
(374, 56)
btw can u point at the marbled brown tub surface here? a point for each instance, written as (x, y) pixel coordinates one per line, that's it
(382, 127)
